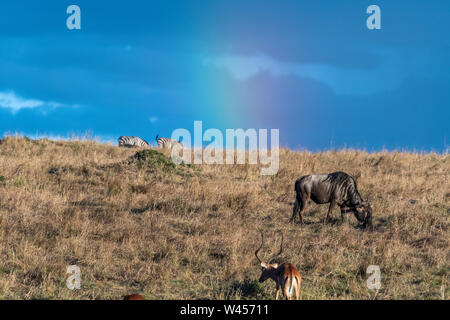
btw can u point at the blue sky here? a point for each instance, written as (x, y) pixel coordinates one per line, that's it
(309, 68)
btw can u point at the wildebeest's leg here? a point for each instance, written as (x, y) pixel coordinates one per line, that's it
(302, 208)
(330, 209)
(343, 209)
(299, 205)
(295, 210)
(301, 200)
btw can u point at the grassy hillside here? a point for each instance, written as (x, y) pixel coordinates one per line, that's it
(140, 224)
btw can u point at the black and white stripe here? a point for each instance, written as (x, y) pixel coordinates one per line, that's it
(130, 142)
(166, 143)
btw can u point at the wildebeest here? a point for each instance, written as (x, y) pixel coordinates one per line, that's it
(337, 188)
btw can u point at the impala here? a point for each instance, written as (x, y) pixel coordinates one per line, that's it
(134, 297)
(286, 276)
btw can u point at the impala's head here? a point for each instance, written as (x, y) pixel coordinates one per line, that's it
(363, 212)
(267, 268)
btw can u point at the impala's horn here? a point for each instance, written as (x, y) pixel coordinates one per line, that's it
(262, 243)
(281, 248)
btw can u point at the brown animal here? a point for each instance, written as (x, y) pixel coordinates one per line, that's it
(286, 276)
(134, 297)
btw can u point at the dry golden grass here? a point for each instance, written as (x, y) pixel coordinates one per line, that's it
(190, 232)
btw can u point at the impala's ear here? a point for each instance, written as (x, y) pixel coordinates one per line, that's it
(275, 265)
(263, 265)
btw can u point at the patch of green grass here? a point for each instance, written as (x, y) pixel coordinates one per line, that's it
(155, 160)
(248, 288)
(19, 182)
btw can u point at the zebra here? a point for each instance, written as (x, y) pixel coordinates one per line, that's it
(164, 143)
(130, 142)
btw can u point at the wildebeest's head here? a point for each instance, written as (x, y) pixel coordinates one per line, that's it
(363, 212)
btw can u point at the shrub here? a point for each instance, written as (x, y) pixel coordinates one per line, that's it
(154, 160)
